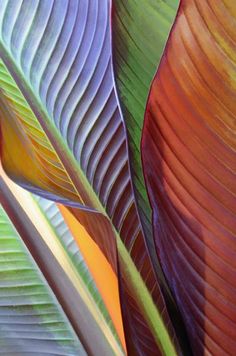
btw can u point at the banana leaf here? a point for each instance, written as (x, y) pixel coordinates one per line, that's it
(140, 29)
(71, 240)
(188, 152)
(60, 58)
(31, 319)
(66, 280)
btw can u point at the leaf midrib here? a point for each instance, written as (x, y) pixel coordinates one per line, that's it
(78, 178)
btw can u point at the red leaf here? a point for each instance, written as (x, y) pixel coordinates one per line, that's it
(188, 151)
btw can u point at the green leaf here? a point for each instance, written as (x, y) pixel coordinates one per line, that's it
(31, 319)
(140, 30)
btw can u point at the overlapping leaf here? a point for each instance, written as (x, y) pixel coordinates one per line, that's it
(66, 78)
(22, 137)
(103, 274)
(70, 246)
(189, 160)
(140, 31)
(46, 247)
(31, 320)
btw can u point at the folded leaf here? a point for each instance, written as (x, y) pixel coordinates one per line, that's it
(65, 75)
(189, 159)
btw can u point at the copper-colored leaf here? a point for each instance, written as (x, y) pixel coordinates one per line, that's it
(189, 160)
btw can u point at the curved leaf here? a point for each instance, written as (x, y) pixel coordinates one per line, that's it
(189, 158)
(65, 75)
(140, 30)
(31, 320)
(23, 137)
(62, 276)
(57, 218)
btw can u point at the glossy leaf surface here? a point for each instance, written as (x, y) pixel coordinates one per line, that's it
(66, 78)
(189, 159)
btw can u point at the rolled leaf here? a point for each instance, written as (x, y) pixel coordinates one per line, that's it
(189, 160)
